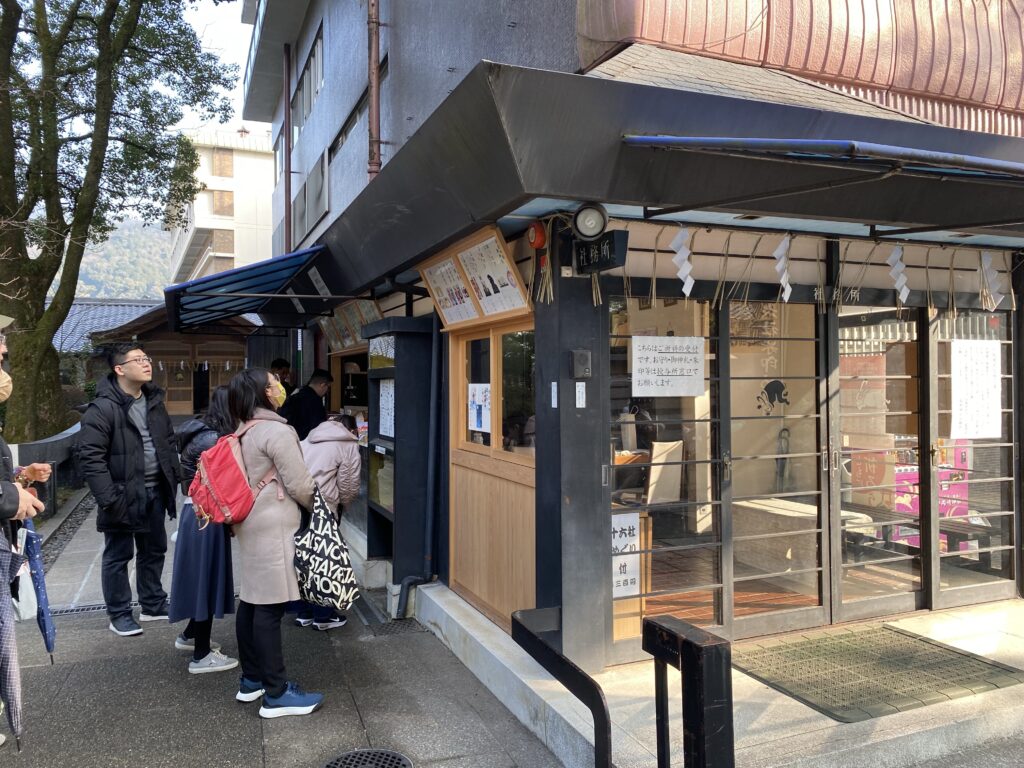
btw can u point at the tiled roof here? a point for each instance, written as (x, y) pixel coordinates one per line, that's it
(648, 65)
(89, 315)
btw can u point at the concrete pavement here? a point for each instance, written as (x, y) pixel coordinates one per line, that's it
(112, 702)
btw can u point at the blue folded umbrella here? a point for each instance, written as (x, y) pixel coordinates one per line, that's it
(34, 554)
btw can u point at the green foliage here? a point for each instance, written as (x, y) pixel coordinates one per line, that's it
(90, 92)
(133, 263)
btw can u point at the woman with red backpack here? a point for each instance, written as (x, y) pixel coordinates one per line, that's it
(266, 542)
(202, 584)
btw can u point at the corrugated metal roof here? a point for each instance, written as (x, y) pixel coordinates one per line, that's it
(648, 65)
(90, 315)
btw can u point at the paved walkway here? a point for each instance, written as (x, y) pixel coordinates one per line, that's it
(111, 702)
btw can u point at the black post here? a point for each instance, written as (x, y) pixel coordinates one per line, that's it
(661, 708)
(705, 661)
(707, 703)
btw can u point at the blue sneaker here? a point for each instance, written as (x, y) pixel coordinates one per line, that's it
(294, 701)
(248, 690)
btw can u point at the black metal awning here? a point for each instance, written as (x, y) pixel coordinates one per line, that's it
(284, 291)
(508, 135)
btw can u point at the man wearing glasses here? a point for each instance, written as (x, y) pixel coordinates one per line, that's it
(127, 454)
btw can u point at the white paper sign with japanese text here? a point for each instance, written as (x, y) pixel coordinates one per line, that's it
(626, 554)
(386, 408)
(668, 366)
(977, 389)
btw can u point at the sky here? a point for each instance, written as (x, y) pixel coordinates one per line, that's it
(222, 32)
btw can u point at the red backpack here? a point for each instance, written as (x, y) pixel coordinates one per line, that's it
(220, 490)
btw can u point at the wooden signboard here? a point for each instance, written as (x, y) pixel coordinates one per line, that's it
(475, 281)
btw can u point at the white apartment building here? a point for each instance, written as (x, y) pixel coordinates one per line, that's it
(229, 224)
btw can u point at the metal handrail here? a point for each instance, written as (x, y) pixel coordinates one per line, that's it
(534, 630)
(705, 663)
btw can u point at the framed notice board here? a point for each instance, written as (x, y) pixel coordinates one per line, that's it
(475, 280)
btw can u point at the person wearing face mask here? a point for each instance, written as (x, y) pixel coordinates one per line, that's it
(129, 457)
(266, 544)
(17, 503)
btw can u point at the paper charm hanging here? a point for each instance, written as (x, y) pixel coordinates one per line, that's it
(781, 256)
(990, 282)
(898, 273)
(681, 246)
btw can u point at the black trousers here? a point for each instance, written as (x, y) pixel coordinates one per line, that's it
(258, 629)
(148, 548)
(200, 632)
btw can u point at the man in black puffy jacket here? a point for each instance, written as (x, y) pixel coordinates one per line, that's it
(127, 453)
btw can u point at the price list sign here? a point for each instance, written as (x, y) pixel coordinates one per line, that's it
(668, 366)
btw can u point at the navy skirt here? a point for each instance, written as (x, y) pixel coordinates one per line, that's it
(202, 583)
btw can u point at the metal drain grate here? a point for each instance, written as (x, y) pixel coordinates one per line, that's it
(397, 627)
(95, 608)
(370, 758)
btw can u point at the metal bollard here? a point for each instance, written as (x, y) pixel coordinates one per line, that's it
(705, 663)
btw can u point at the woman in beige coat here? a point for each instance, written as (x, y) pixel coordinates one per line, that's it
(266, 544)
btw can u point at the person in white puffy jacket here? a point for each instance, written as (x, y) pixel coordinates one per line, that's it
(331, 452)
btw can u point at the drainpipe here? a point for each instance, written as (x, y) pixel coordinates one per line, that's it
(287, 131)
(373, 85)
(428, 525)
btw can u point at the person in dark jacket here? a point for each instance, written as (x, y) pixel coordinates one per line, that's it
(128, 456)
(304, 409)
(202, 587)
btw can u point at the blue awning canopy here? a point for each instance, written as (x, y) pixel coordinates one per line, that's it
(285, 291)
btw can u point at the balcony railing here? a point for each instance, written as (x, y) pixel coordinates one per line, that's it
(257, 29)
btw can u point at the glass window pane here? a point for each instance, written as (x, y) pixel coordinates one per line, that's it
(967, 534)
(773, 396)
(668, 480)
(679, 569)
(760, 321)
(478, 394)
(894, 577)
(756, 478)
(967, 568)
(776, 593)
(773, 436)
(756, 517)
(518, 424)
(381, 490)
(697, 607)
(864, 540)
(776, 555)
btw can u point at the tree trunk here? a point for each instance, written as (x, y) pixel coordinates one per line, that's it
(36, 408)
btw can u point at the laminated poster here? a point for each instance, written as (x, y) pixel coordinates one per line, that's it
(355, 322)
(976, 389)
(493, 277)
(626, 555)
(668, 366)
(450, 292)
(331, 334)
(479, 417)
(386, 409)
(368, 310)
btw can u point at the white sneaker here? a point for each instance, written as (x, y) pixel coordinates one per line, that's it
(214, 661)
(3, 739)
(183, 643)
